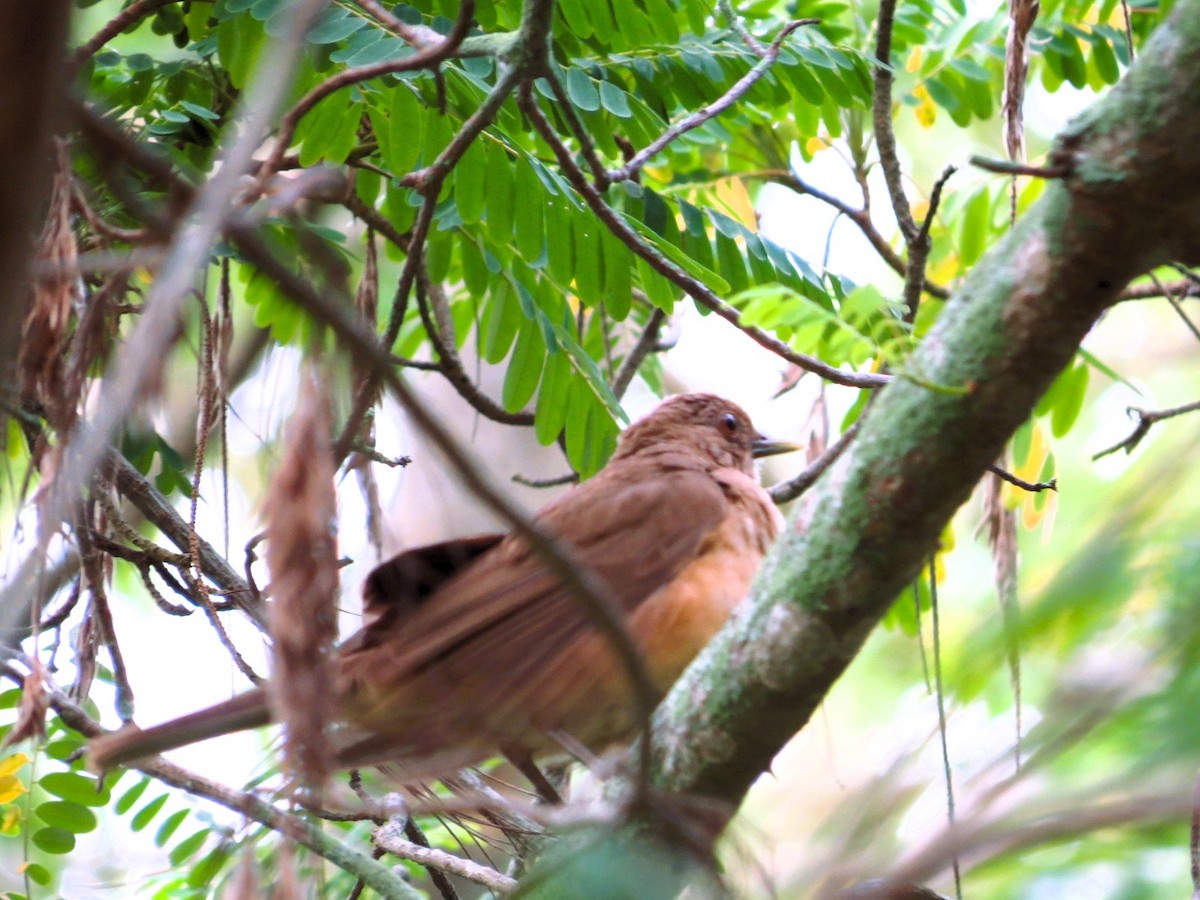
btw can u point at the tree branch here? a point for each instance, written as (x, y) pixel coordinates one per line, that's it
(1003, 338)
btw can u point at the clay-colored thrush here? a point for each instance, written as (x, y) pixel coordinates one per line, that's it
(473, 645)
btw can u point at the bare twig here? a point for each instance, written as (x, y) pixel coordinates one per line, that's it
(885, 137)
(918, 251)
(646, 344)
(735, 24)
(159, 512)
(1180, 289)
(391, 838)
(860, 217)
(1146, 418)
(789, 490)
(1031, 486)
(449, 362)
(1012, 167)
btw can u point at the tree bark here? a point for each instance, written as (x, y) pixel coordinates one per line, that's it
(1130, 201)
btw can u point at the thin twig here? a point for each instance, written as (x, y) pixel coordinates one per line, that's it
(449, 362)
(647, 343)
(1012, 167)
(1031, 486)
(885, 137)
(735, 24)
(1146, 418)
(860, 217)
(391, 838)
(712, 110)
(134, 12)
(789, 490)
(951, 823)
(158, 511)
(587, 146)
(918, 250)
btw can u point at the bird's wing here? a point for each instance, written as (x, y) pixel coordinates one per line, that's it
(398, 587)
(507, 613)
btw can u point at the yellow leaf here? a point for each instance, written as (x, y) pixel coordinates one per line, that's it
(914, 60)
(925, 110)
(732, 194)
(1039, 449)
(815, 145)
(1031, 516)
(11, 763)
(10, 822)
(11, 787)
(945, 269)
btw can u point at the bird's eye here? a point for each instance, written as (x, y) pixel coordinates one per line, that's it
(729, 423)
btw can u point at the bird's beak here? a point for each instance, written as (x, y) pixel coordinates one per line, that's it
(764, 446)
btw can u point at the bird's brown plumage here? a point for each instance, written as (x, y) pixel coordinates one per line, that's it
(474, 645)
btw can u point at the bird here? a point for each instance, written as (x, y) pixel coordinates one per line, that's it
(473, 646)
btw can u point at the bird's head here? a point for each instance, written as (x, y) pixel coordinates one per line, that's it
(716, 427)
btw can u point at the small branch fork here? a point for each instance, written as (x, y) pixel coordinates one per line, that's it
(694, 120)
(1034, 487)
(1146, 418)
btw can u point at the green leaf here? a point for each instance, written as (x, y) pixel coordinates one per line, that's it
(332, 25)
(1103, 367)
(715, 282)
(731, 264)
(169, 827)
(581, 90)
(207, 869)
(470, 184)
(400, 142)
(69, 816)
(524, 369)
(1066, 411)
(618, 283)
(474, 268)
(38, 874)
(187, 848)
(500, 321)
(125, 801)
(659, 291)
(560, 252)
(551, 413)
(146, 814)
(501, 195)
(74, 787)
(332, 131)
(615, 100)
(239, 40)
(975, 230)
(528, 213)
(53, 840)
(588, 262)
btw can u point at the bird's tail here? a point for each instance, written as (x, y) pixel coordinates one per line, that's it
(248, 710)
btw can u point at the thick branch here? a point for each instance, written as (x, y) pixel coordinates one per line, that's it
(999, 343)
